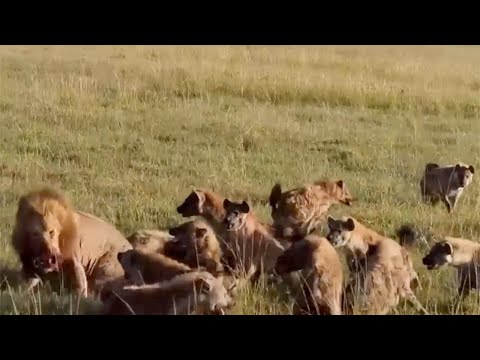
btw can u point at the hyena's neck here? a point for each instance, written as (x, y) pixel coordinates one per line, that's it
(213, 214)
(360, 241)
(462, 257)
(256, 231)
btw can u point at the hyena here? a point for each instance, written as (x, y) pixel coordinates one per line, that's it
(445, 184)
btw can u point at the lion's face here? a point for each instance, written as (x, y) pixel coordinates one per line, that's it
(44, 235)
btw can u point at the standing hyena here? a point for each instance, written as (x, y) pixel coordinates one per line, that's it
(462, 254)
(445, 184)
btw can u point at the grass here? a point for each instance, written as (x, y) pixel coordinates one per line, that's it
(127, 131)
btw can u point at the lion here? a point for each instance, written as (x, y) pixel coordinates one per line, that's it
(322, 272)
(202, 248)
(300, 211)
(445, 184)
(50, 236)
(250, 248)
(144, 267)
(196, 292)
(382, 271)
(462, 254)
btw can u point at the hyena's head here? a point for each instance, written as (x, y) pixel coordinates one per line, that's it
(343, 193)
(213, 296)
(150, 240)
(464, 174)
(200, 244)
(184, 238)
(295, 258)
(235, 214)
(274, 198)
(190, 232)
(193, 204)
(339, 231)
(131, 261)
(440, 254)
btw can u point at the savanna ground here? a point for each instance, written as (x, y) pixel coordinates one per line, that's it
(127, 131)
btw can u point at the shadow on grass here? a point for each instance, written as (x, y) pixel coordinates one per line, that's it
(49, 299)
(10, 278)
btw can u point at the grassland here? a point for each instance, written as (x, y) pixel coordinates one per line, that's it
(127, 131)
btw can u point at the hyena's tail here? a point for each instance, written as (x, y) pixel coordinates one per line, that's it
(275, 195)
(431, 166)
(409, 236)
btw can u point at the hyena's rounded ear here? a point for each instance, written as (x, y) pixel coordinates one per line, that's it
(200, 232)
(226, 203)
(472, 169)
(275, 195)
(244, 207)
(233, 285)
(330, 221)
(128, 255)
(199, 194)
(120, 255)
(349, 225)
(447, 247)
(431, 166)
(341, 184)
(173, 231)
(203, 285)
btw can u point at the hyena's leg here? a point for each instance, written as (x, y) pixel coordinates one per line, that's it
(446, 201)
(453, 200)
(430, 199)
(410, 296)
(463, 284)
(33, 282)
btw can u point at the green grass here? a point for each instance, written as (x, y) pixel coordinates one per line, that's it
(127, 131)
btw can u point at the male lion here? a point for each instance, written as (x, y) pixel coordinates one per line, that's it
(51, 236)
